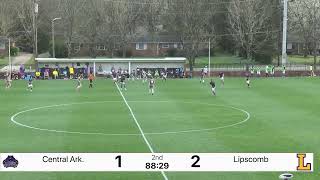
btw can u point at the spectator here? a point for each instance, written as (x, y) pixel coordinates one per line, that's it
(55, 74)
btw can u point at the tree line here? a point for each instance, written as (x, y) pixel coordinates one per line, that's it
(248, 28)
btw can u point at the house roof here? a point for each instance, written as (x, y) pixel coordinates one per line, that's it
(294, 38)
(146, 38)
(158, 38)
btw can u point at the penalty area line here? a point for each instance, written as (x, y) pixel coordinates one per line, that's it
(139, 127)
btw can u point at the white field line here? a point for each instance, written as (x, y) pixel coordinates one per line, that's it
(139, 127)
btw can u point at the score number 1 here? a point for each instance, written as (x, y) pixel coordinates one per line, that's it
(119, 160)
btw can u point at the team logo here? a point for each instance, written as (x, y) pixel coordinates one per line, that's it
(302, 166)
(10, 161)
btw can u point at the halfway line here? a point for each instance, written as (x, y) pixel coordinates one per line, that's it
(139, 127)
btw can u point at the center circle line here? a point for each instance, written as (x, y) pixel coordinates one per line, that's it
(128, 134)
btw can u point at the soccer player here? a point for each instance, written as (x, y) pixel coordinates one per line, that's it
(205, 70)
(213, 87)
(79, 85)
(114, 76)
(156, 74)
(123, 82)
(284, 71)
(272, 70)
(139, 73)
(252, 70)
(151, 86)
(144, 76)
(30, 85)
(8, 81)
(258, 71)
(267, 71)
(248, 81)
(132, 75)
(221, 75)
(164, 75)
(311, 71)
(202, 76)
(91, 78)
(149, 75)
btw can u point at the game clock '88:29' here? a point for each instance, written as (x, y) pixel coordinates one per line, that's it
(157, 165)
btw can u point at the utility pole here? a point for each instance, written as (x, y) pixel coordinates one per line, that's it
(284, 32)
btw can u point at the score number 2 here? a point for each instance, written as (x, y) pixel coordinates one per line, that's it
(197, 159)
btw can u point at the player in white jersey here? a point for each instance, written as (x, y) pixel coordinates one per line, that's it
(221, 75)
(79, 85)
(8, 81)
(284, 71)
(312, 74)
(151, 86)
(144, 76)
(30, 85)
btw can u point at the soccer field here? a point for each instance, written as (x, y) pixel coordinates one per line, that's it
(275, 115)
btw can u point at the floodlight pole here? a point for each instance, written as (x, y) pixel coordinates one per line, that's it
(209, 66)
(36, 11)
(53, 45)
(9, 55)
(284, 33)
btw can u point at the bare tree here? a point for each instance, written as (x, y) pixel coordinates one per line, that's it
(125, 16)
(249, 23)
(28, 17)
(190, 21)
(70, 11)
(305, 19)
(7, 17)
(153, 10)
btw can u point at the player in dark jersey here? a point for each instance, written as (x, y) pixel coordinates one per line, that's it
(213, 87)
(91, 78)
(248, 81)
(138, 73)
(114, 76)
(164, 75)
(202, 76)
(151, 86)
(123, 82)
(221, 75)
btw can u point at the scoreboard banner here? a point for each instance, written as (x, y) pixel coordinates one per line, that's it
(178, 162)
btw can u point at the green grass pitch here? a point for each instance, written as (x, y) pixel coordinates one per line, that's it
(284, 118)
